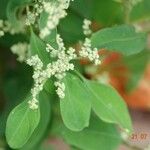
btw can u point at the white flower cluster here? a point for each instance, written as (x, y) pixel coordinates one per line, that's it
(60, 89)
(5, 26)
(86, 27)
(57, 69)
(39, 77)
(54, 52)
(56, 10)
(88, 52)
(34, 13)
(20, 49)
(31, 17)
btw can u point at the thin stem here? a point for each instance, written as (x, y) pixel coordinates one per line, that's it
(127, 10)
(79, 75)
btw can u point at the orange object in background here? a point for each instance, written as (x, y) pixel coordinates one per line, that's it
(139, 98)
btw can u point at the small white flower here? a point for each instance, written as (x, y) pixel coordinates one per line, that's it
(33, 104)
(86, 27)
(60, 76)
(6, 27)
(53, 52)
(1, 33)
(20, 49)
(71, 52)
(34, 13)
(60, 89)
(35, 62)
(49, 48)
(56, 10)
(39, 77)
(31, 17)
(89, 52)
(44, 32)
(9, 28)
(60, 42)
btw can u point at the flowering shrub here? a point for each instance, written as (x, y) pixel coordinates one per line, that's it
(54, 37)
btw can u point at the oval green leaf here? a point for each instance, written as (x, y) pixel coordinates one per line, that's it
(95, 137)
(122, 39)
(38, 47)
(70, 28)
(21, 123)
(76, 106)
(109, 105)
(45, 111)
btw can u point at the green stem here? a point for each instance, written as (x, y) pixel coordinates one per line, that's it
(127, 10)
(79, 75)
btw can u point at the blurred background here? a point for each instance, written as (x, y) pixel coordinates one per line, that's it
(130, 76)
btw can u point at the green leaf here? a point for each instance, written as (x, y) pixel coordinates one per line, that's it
(16, 85)
(74, 148)
(98, 135)
(112, 15)
(70, 28)
(106, 103)
(39, 132)
(49, 86)
(76, 106)
(38, 47)
(21, 123)
(136, 65)
(141, 11)
(12, 10)
(51, 39)
(83, 8)
(122, 39)
(109, 105)
(95, 10)
(3, 5)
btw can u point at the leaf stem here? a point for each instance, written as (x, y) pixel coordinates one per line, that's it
(127, 10)
(79, 75)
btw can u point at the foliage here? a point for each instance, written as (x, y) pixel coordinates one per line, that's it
(60, 101)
